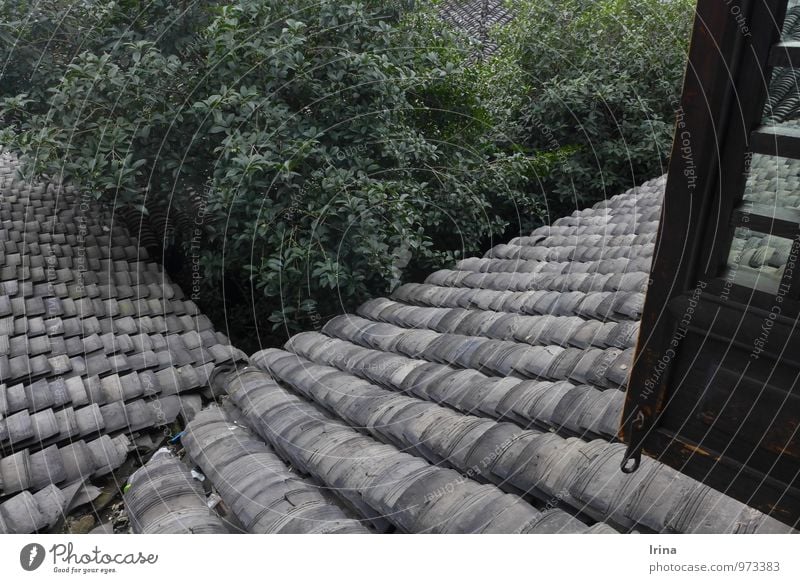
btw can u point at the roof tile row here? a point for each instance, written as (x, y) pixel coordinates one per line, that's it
(263, 493)
(383, 484)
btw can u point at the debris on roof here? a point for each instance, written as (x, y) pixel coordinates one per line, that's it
(264, 494)
(164, 497)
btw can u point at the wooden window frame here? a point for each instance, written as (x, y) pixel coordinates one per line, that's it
(718, 125)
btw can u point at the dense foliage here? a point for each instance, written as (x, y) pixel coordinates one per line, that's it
(298, 156)
(602, 83)
(309, 153)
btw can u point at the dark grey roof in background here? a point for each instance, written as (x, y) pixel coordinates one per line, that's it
(773, 180)
(783, 101)
(477, 18)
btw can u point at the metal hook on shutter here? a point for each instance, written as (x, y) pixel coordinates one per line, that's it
(631, 460)
(633, 454)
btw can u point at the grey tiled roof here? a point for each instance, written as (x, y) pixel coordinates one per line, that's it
(96, 346)
(485, 399)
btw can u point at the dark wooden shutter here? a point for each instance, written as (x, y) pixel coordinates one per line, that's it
(715, 386)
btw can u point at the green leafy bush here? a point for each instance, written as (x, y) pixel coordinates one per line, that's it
(603, 80)
(311, 153)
